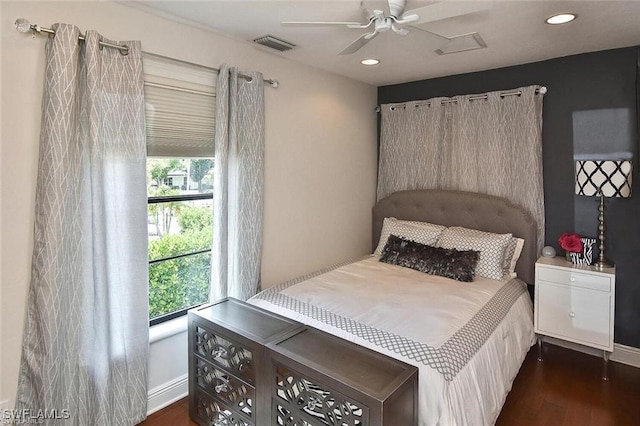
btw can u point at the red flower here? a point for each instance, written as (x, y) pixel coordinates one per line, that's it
(570, 242)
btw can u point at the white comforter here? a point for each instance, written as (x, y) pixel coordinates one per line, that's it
(428, 309)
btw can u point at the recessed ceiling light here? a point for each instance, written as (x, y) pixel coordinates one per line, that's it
(561, 18)
(369, 62)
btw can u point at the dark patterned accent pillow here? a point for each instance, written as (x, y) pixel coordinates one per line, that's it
(450, 263)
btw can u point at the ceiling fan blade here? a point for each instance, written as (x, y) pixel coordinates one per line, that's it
(447, 9)
(440, 36)
(399, 30)
(406, 19)
(322, 24)
(358, 43)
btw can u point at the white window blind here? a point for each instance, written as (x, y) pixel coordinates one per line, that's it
(179, 108)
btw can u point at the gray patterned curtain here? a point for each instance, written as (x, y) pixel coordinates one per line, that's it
(238, 185)
(491, 146)
(85, 344)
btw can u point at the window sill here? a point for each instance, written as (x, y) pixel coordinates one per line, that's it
(167, 329)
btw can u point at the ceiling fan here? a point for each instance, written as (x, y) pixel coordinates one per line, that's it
(391, 16)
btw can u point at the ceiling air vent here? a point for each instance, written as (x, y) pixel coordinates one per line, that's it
(461, 43)
(274, 43)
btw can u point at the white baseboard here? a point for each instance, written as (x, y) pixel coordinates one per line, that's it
(621, 353)
(626, 355)
(167, 394)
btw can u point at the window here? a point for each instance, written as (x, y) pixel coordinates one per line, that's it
(179, 223)
(180, 123)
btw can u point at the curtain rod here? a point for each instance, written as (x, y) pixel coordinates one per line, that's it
(24, 26)
(542, 90)
(271, 82)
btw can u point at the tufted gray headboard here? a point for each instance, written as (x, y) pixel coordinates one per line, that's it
(468, 209)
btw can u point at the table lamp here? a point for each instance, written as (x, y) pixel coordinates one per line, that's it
(603, 178)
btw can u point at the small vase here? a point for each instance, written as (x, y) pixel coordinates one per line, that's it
(573, 258)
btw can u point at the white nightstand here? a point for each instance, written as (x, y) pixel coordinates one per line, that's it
(575, 303)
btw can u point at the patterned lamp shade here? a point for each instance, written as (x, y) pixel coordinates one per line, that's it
(610, 178)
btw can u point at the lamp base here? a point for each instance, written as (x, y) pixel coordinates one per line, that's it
(603, 264)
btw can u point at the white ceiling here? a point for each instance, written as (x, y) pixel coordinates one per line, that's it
(514, 31)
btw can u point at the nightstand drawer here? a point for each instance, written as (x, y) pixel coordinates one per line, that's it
(210, 411)
(573, 313)
(237, 395)
(230, 355)
(575, 279)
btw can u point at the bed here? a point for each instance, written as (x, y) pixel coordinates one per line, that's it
(468, 339)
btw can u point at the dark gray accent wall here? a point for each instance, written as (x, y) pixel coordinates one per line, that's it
(591, 107)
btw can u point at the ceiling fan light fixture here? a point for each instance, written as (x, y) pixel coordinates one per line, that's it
(561, 18)
(370, 62)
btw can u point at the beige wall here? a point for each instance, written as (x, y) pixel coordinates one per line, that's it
(320, 149)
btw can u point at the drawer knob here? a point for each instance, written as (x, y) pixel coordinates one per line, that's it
(222, 387)
(572, 279)
(220, 353)
(313, 403)
(572, 314)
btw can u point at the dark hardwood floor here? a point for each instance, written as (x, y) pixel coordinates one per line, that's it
(567, 389)
(177, 414)
(564, 390)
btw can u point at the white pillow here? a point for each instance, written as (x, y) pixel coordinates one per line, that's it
(511, 255)
(420, 232)
(491, 247)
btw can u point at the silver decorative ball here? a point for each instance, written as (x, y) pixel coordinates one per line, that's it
(548, 251)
